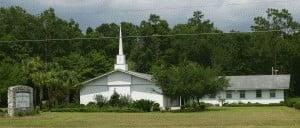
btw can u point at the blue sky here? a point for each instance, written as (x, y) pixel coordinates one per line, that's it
(226, 14)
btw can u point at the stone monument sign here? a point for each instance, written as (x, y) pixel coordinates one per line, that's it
(20, 99)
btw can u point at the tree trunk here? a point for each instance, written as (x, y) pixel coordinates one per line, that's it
(49, 98)
(41, 95)
(198, 100)
(68, 96)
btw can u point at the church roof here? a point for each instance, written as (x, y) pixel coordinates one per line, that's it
(253, 82)
(137, 74)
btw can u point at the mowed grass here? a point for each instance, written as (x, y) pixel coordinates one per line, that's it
(238, 117)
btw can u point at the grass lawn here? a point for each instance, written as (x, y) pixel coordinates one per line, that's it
(239, 117)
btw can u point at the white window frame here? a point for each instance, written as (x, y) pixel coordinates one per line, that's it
(244, 92)
(229, 92)
(260, 94)
(272, 91)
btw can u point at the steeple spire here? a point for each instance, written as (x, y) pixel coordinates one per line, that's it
(121, 59)
(120, 42)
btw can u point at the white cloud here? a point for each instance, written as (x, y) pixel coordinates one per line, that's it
(67, 3)
(226, 14)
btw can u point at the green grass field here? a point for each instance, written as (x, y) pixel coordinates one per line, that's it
(246, 117)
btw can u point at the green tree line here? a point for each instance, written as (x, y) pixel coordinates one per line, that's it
(56, 67)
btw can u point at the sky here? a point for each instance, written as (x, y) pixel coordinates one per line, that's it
(225, 14)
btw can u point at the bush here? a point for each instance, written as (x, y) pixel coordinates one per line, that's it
(69, 105)
(156, 107)
(193, 107)
(2, 113)
(45, 105)
(297, 105)
(100, 100)
(28, 113)
(103, 109)
(124, 101)
(144, 105)
(291, 101)
(114, 99)
(92, 105)
(117, 100)
(240, 104)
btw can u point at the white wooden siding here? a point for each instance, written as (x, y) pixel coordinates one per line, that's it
(250, 96)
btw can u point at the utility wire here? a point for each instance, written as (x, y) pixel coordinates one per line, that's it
(143, 36)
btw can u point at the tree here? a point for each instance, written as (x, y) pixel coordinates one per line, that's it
(197, 49)
(277, 49)
(11, 75)
(150, 49)
(190, 81)
(276, 20)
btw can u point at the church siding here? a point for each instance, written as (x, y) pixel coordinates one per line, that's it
(250, 96)
(145, 89)
(119, 78)
(124, 84)
(149, 92)
(88, 93)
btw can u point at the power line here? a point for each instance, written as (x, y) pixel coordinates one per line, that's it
(141, 36)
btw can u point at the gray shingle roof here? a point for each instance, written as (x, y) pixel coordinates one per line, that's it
(253, 82)
(141, 75)
(247, 82)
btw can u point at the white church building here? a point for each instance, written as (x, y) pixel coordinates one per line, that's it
(262, 89)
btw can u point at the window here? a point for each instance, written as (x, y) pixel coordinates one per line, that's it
(242, 94)
(229, 94)
(272, 93)
(258, 93)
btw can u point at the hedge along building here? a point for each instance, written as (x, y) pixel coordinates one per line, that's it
(126, 83)
(255, 89)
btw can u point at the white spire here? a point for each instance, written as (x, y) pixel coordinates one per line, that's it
(120, 42)
(121, 59)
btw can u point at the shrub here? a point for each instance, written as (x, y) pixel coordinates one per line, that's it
(91, 105)
(114, 99)
(156, 107)
(167, 109)
(73, 105)
(2, 113)
(144, 105)
(103, 109)
(193, 107)
(69, 105)
(100, 100)
(240, 104)
(117, 100)
(28, 113)
(297, 105)
(45, 105)
(291, 101)
(124, 101)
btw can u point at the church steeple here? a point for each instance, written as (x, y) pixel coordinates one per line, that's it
(121, 59)
(120, 42)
